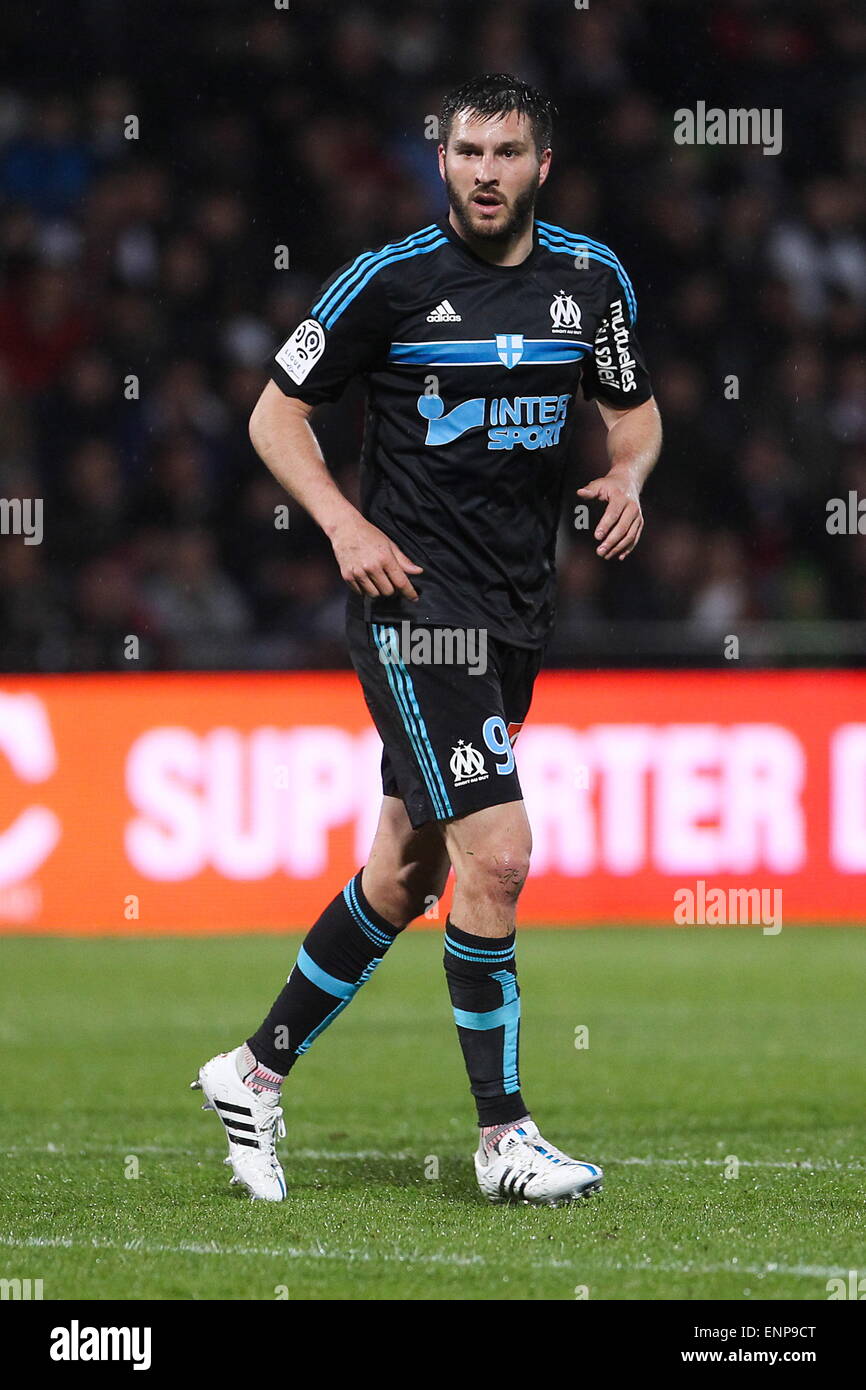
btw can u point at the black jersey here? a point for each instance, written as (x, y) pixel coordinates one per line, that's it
(471, 372)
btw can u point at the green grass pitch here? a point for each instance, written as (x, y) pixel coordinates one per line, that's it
(706, 1045)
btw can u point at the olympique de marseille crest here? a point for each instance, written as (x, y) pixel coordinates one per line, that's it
(467, 764)
(564, 314)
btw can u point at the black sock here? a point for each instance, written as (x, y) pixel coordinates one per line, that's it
(338, 954)
(482, 982)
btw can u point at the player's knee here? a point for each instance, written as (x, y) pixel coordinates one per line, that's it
(496, 875)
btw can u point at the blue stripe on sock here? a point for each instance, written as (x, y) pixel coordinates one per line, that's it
(481, 955)
(493, 1018)
(329, 984)
(340, 989)
(510, 999)
(375, 934)
(308, 1041)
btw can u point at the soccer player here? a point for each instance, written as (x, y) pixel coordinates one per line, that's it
(473, 335)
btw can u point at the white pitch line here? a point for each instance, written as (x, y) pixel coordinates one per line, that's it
(318, 1252)
(437, 1257)
(804, 1165)
(734, 1267)
(406, 1155)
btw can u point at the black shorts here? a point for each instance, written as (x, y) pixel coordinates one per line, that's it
(448, 704)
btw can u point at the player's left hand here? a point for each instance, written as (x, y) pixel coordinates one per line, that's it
(622, 521)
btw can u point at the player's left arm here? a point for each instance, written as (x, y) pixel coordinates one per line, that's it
(634, 440)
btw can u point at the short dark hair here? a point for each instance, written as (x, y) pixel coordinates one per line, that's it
(495, 94)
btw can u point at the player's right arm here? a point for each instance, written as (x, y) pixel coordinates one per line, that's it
(283, 438)
(346, 334)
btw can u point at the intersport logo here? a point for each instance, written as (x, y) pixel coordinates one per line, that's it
(533, 422)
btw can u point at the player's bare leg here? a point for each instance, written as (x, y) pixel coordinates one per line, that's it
(405, 868)
(490, 851)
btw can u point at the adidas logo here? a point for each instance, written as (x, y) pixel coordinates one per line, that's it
(444, 313)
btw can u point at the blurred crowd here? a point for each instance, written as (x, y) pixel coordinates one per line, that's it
(152, 159)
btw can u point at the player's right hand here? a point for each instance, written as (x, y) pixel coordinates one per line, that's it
(370, 563)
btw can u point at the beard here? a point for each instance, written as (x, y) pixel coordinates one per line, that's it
(512, 226)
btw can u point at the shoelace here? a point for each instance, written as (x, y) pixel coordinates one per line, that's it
(557, 1157)
(533, 1161)
(531, 1168)
(274, 1126)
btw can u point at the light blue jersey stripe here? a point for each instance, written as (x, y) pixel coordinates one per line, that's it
(572, 250)
(483, 353)
(362, 262)
(404, 256)
(571, 243)
(590, 243)
(334, 313)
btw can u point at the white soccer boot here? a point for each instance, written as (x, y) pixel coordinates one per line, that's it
(523, 1167)
(253, 1122)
